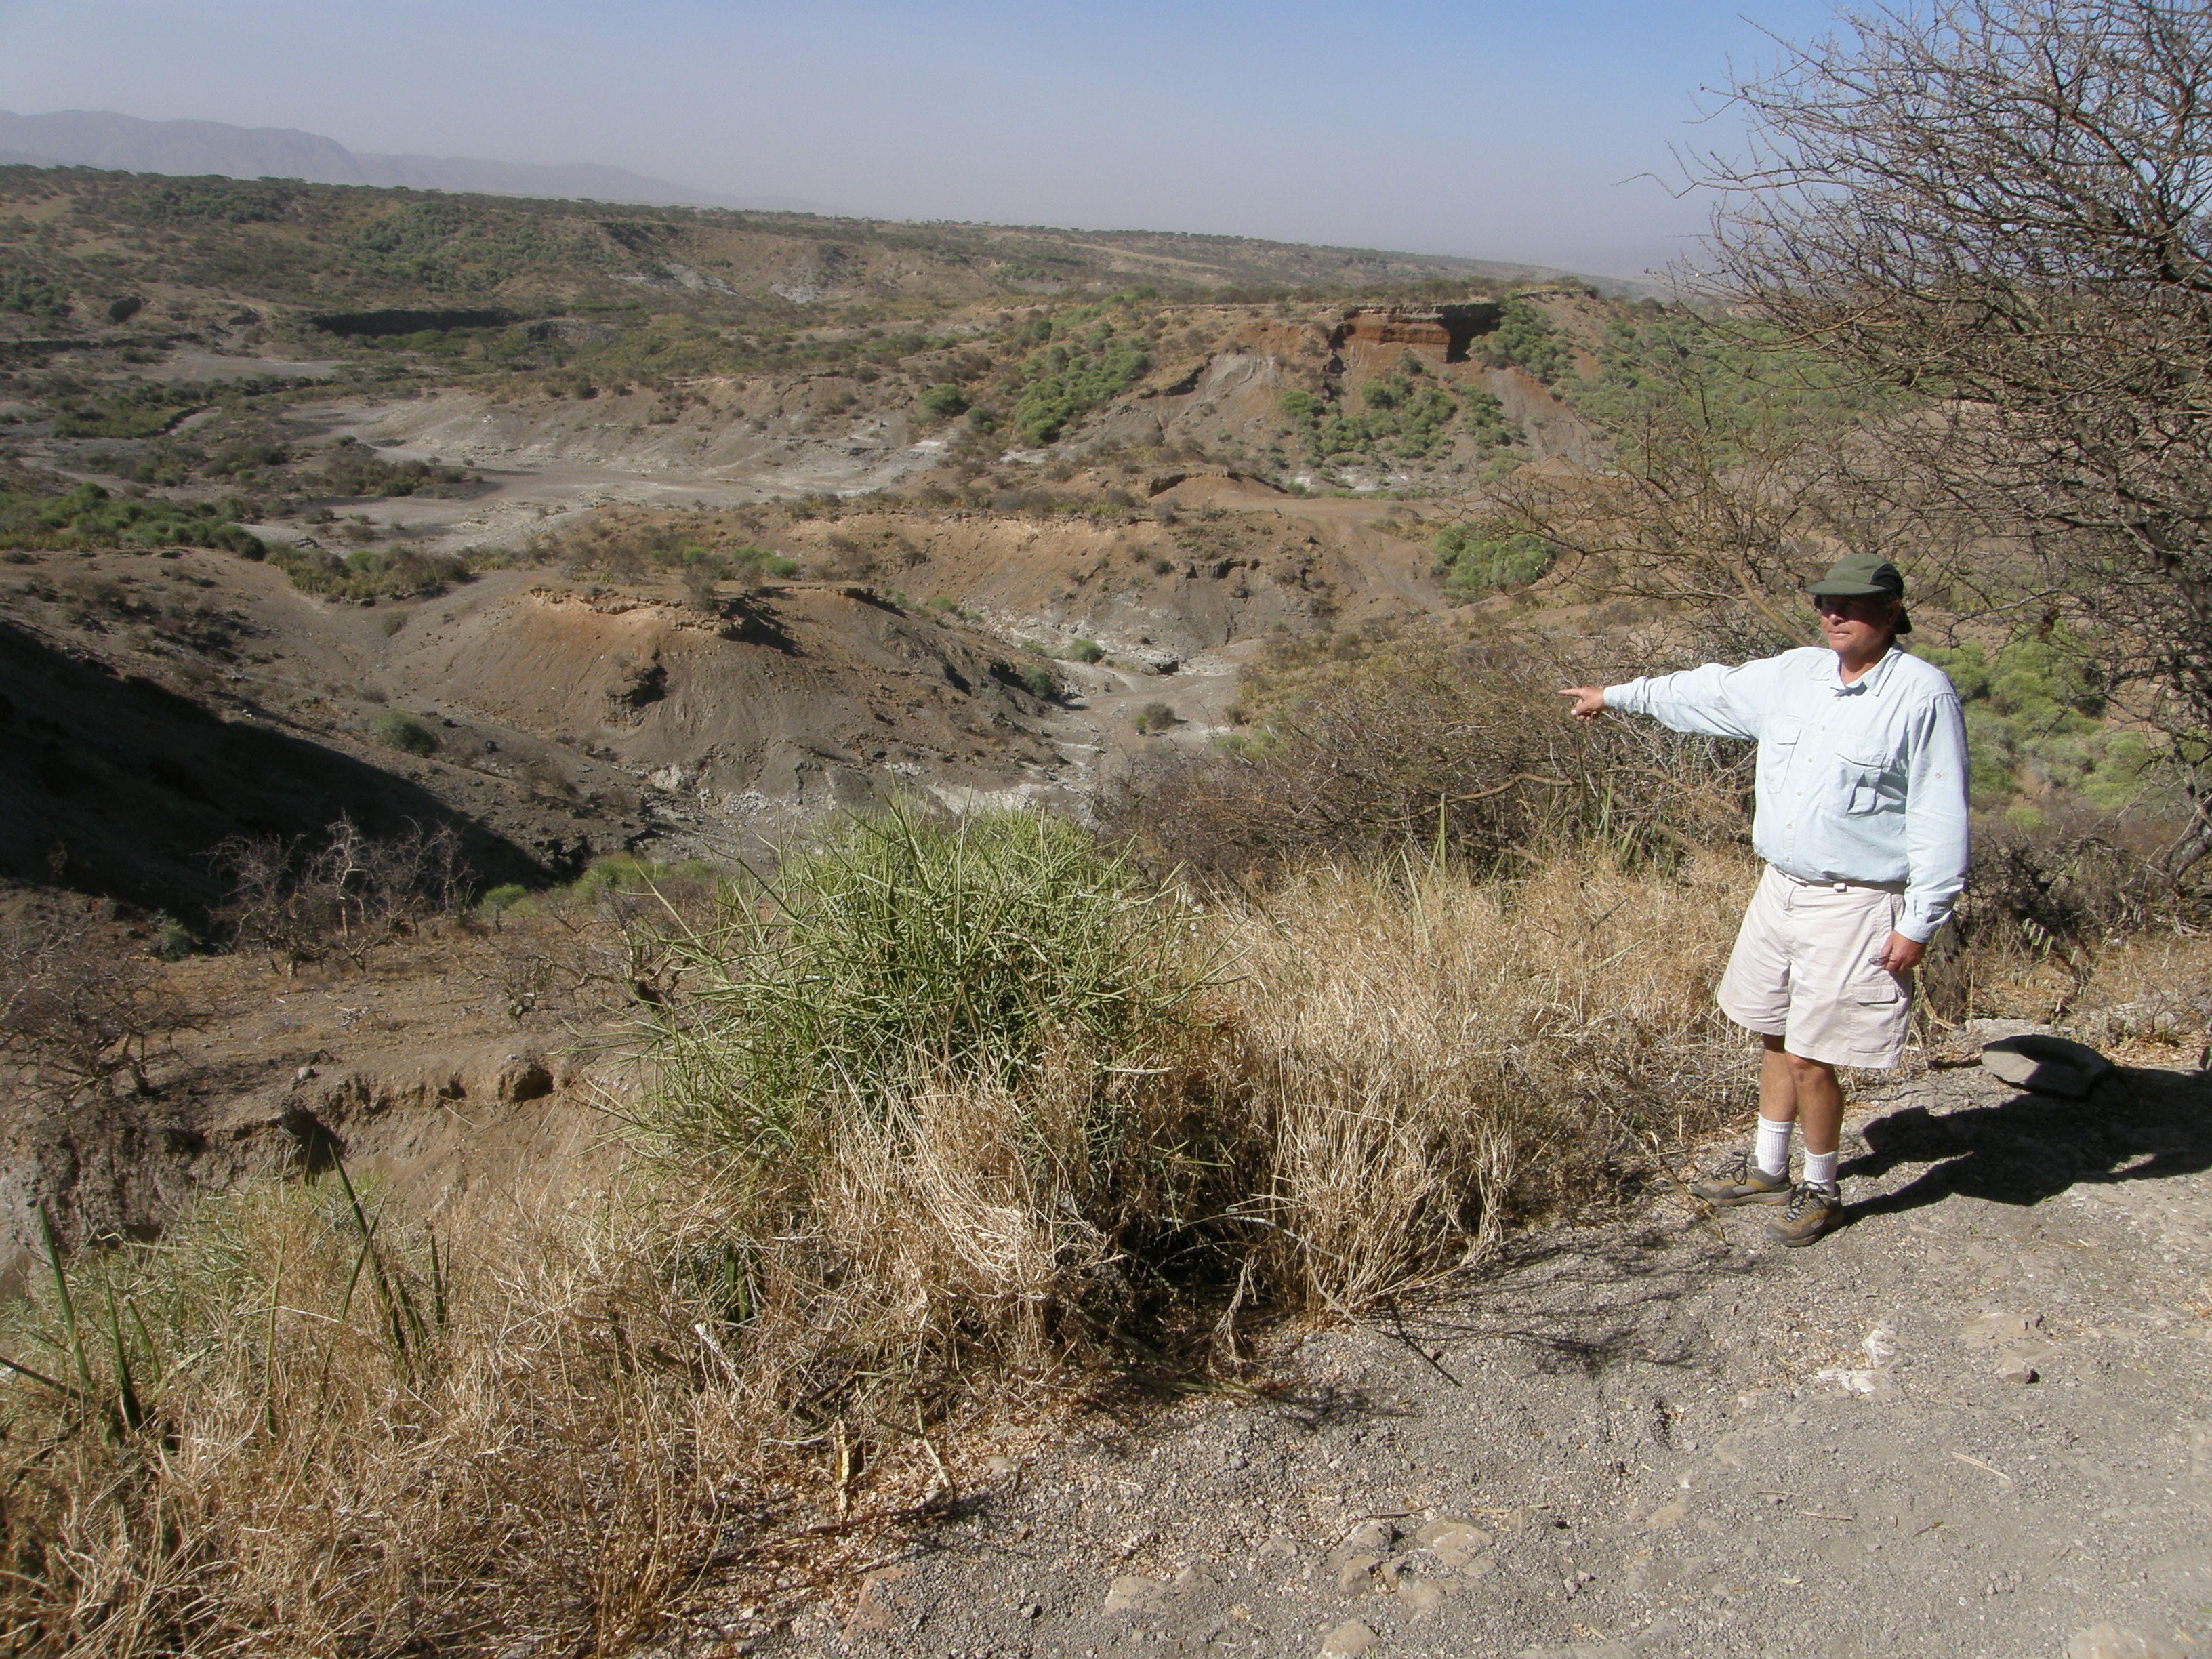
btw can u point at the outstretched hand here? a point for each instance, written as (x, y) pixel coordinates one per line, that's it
(1589, 699)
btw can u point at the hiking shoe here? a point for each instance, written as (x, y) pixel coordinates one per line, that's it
(1810, 1211)
(1740, 1180)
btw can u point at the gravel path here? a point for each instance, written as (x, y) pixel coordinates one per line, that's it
(1976, 1420)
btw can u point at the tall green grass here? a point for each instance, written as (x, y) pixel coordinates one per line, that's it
(904, 949)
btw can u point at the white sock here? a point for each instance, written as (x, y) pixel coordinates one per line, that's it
(1772, 1152)
(1820, 1169)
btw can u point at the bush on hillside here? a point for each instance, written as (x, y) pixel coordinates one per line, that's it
(403, 732)
(1486, 421)
(628, 550)
(1399, 418)
(209, 202)
(1480, 558)
(2038, 733)
(353, 470)
(1073, 375)
(78, 1010)
(944, 400)
(30, 295)
(346, 892)
(902, 954)
(1525, 339)
(88, 517)
(399, 573)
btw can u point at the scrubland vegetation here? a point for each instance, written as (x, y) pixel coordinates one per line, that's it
(938, 1119)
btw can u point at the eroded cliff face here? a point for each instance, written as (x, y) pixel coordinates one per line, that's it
(1376, 336)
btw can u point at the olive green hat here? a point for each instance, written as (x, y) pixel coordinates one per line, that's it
(1864, 576)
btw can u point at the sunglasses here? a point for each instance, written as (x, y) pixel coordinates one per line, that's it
(1856, 604)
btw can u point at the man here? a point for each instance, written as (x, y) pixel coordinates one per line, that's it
(1861, 817)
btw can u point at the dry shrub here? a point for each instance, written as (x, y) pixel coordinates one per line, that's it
(583, 954)
(348, 894)
(1438, 1054)
(952, 1173)
(1427, 743)
(2047, 907)
(78, 1007)
(264, 1439)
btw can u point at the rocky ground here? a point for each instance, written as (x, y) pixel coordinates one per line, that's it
(1978, 1419)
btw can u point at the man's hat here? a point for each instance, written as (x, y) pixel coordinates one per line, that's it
(1864, 576)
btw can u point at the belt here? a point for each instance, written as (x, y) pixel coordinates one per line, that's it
(1839, 886)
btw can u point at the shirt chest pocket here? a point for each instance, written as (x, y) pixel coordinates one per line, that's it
(1866, 783)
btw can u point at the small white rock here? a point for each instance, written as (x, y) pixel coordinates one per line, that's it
(1131, 1593)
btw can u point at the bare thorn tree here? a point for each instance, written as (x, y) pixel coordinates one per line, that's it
(2003, 206)
(77, 1009)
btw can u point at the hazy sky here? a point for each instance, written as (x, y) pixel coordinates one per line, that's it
(1492, 129)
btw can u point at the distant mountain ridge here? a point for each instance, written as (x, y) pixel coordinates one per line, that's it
(125, 143)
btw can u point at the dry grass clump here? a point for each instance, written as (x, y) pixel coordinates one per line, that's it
(993, 1110)
(1437, 1054)
(939, 1109)
(268, 1434)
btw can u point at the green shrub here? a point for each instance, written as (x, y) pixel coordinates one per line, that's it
(904, 952)
(1485, 421)
(944, 400)
(626, 872)
(1397, 419)
(31, 294)
(498, 900)
(126, 417)
(1036, 676)
(1069, 378)
(758, 561)
(209, 201)
(355, 472)
(88, 516)
(403, 732)
(172, 941)
(399, 573)
(448, 245)
(1479, 558)
(1083, 650)
(2037, 726)
(1524, 338)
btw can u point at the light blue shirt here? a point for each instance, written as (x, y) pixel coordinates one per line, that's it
(1863, 782)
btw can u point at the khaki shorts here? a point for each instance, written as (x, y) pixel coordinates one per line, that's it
(1805, 969)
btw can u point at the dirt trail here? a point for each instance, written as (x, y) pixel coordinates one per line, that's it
(1663, 1435)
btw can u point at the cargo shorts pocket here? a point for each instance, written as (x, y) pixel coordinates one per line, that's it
(1872, 985)
(1880, 989)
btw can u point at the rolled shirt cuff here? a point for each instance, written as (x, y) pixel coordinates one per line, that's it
(1920, 929)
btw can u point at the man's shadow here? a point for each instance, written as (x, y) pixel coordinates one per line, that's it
(2139, 1124)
